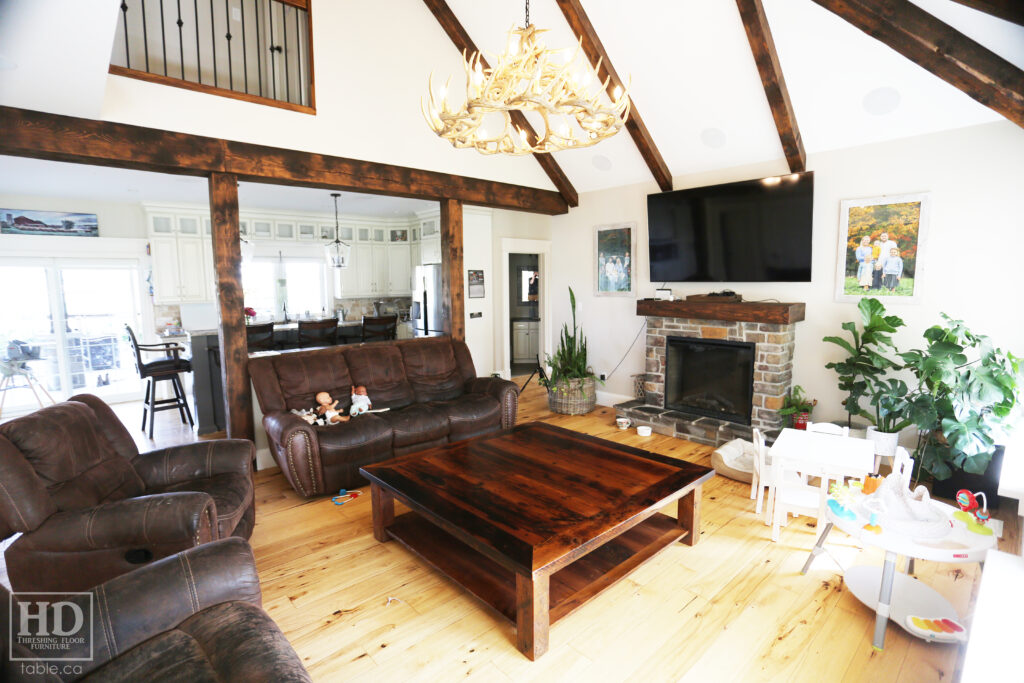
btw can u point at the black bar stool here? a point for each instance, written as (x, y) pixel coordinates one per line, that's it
(260, 337)
(379, 327)
(318, 332)
(164, 369)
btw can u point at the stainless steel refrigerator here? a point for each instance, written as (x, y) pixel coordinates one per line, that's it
(426, 314)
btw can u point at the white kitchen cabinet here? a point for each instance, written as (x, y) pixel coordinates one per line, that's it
(307, 231)
(362, 261)
(161, 225)
(399, 270)
(179, 270)
(262, 229)
(414, 256)
(211, 270)
(188, 225)
(429, 228)
(430, 250)
(380, 269)
(284, 230)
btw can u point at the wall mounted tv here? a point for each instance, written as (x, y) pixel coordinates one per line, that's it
(751, 231)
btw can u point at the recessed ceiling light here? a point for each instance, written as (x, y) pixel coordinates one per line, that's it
(7, 64)
(882, 101)
(713, 138)
(601, 162)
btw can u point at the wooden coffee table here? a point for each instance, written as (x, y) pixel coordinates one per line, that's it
(538, 520)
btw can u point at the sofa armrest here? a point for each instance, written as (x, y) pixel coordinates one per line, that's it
(195, 461)
(296, 448)
(151, 600)
(183, 519)
(506, 392)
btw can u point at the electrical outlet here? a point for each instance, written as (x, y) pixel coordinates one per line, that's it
(477, 314)
(602, 377)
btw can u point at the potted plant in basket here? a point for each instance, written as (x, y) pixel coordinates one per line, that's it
(861, 373)
(968, 397)
(571, 385)
(796, 408)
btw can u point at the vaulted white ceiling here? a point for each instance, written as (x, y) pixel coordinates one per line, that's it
(693, 79)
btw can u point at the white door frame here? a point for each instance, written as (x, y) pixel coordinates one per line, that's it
(542, 248)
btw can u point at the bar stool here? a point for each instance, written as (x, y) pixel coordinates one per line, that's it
(379, 327)
(318, 332)
(164, 369)
(260, 337)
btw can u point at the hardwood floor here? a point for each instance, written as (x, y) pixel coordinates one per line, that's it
(732, 608)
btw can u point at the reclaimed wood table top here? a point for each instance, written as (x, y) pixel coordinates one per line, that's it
(537, 496)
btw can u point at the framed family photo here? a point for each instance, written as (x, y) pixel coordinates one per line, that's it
(614, 260)
(881, 244)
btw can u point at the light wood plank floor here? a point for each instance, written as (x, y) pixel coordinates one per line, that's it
(732, 608)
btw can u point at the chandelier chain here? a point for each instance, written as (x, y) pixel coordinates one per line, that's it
(527, 14)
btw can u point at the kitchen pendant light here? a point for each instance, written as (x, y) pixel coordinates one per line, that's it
(556, 85)
(337, 252)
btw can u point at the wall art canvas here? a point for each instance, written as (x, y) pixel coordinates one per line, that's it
(476, 284)
(614, 260)
(881, 245)
(18, 222)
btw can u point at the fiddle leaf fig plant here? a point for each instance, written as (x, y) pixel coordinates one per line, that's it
(968, 397)
(861, 372)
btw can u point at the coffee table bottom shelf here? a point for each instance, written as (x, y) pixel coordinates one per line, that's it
(570, 587)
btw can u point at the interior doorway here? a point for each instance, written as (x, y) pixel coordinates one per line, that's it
(525, 323)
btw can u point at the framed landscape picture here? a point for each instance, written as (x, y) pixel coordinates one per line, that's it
(18, 222)
(614, 260)
(881, 245)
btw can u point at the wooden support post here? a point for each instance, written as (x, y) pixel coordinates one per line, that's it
(452, 301)
(234, 351)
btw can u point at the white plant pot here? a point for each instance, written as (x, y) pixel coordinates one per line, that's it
(885, 442)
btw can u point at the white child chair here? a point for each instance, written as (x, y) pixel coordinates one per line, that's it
(828, 428)
(763, 477)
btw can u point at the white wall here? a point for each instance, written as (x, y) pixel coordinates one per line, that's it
(476, 255)
(971, 263)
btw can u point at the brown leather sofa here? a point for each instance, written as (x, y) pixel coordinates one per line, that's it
(429, 384)
(194, 616)
(89, 507)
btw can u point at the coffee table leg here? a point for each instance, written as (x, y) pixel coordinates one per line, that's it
(884, 600)
(688, 516)
(532, 614)
(383, 507)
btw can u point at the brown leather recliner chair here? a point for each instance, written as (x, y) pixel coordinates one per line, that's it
(194, 616)
(90, 507)
(429, 386)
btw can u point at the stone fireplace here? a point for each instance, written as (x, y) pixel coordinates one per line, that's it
(744, 342)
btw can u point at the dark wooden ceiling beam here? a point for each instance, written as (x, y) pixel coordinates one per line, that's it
(41, 135)
(759, 35)
(941, 49)
(1009, 10)
(451, 25)
(580, 24)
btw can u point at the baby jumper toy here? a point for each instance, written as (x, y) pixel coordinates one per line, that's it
(971, 514)
(939, 630)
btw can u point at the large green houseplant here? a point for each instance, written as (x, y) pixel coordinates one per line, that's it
(571, 384)
(862, 372)
(968, 394)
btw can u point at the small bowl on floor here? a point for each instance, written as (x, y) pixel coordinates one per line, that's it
(643, 430)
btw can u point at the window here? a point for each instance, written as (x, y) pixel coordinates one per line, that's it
(270, 285)
(305, 287)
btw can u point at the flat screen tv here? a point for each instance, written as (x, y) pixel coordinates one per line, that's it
(751, 231)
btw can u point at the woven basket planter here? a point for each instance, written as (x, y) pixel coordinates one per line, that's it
(573, 396)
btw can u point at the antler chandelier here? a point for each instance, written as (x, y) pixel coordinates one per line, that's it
(528, 77)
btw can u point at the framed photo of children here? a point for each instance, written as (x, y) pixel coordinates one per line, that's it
(881, 244)
(614, 260)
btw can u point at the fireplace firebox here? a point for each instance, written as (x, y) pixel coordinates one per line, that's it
(710, 377)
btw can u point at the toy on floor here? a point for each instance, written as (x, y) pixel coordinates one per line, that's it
(360, 401)
(328, 408)
(344, 496)
(939, 630)
(971, 514)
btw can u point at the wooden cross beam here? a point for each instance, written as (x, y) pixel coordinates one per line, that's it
(1008, 10)
(763, 46)
(451, 25)
(580, 24)
(941, 49)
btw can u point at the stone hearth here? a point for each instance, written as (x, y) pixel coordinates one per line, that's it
(773, 369)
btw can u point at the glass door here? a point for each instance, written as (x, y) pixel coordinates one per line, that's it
(63, 321)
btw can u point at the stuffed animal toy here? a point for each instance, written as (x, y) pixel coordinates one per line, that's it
(328, 408)
(310, 416)
(360, 401)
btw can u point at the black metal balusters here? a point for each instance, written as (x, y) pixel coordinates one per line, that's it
(163, 35)
(284, 40)
(213, 41)
(181, 41)
(227, 23)
(124, 17)
(259, 53)
(199, 61)
(273, 49)
(245, 51)
(145, 35)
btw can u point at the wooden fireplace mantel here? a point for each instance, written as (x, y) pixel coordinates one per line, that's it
(739, 311)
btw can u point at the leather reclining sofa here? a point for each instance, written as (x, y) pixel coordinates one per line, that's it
(429, 385)
(90, 507)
